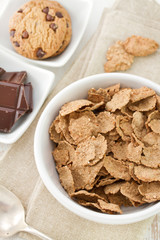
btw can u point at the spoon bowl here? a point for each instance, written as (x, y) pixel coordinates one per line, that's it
(12, 216)
(11, 213)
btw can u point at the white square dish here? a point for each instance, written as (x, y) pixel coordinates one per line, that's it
(42, 82)
(79, 12)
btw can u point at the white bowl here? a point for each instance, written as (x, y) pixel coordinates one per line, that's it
(43, 147)
(42, 82)
(79, 12)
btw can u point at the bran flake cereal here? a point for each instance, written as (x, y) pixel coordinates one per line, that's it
(113, 188)
(134, 153)
(141, 93)
(106, 122)
(81, 125)
(109, 208)
(155, 125)
(107, 151)
(66, 179)
(106, 181)
(150, 191)
(130, 190)
(100, 95)
(119, 199)
(116, 168)
(131, 172)
(151, 157)
(144, 105)
(74, 106)
(119, 150)
(127, 112)
(91, 150)
(119, 100)
(123, 127)
(147, 174)
(63, 154)
(151, 139)
(96, 201)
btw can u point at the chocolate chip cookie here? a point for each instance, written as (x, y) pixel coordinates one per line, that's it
(39, 29)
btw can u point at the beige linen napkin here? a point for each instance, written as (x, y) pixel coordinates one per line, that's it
(17, 168)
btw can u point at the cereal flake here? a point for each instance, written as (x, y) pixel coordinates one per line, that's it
(119, 100)
(116, 168)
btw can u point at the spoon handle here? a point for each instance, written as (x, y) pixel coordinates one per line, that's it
(36, 233)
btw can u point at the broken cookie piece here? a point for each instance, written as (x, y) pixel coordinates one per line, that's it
(117, 58)
(139, 46)
(120, 55)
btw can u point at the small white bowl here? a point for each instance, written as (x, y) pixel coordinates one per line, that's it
(79, 12)
(42, 83)
(43, 147)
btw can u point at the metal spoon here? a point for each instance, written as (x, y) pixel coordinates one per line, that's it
(12, 216)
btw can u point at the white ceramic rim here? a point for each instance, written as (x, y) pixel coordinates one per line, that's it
(66, 201)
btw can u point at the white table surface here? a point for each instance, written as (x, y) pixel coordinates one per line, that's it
(153, 233)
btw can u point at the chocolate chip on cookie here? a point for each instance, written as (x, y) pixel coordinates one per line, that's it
(50, 17)
(59, 15)
(12, 32)
(16, 44)
(25, 35)
(45, 10)
(40, 53)
(53, 26)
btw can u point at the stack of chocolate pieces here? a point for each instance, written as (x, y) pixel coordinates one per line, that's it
(15, 98)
